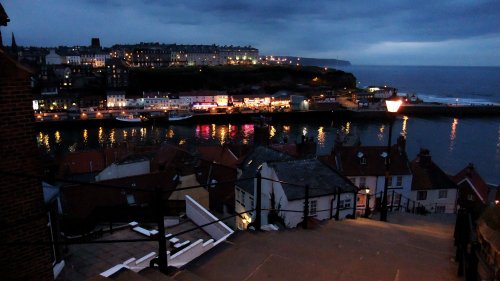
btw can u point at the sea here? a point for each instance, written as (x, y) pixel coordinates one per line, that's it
(454, 142)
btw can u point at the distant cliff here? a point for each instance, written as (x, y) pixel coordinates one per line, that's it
(314, 61)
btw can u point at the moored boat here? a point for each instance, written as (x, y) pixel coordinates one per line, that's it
(176, 116)
(131, 118)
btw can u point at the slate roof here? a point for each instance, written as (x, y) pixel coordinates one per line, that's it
(218, 154)
(349, 164)
(257, 157)
(427, 175)
(321, 179)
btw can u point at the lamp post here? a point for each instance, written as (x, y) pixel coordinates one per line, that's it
(367, 207)
(392, 108)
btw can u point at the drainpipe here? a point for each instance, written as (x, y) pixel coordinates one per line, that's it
(337, 212)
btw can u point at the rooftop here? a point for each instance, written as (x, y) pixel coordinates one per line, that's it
(325, 180)
(259, 155)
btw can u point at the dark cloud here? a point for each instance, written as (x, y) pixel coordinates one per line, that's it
(361, 31)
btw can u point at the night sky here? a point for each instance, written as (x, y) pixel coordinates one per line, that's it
(392, 32)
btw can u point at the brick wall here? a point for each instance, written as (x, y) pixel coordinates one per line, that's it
(22, 211)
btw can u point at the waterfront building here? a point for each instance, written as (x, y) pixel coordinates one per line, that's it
(156, 100)
(115, 99)
(432, 188)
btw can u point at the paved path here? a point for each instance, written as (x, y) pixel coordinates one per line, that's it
(408, 248)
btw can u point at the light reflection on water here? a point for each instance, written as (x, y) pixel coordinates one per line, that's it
(453, 133)
(449, 145)
(403, 127)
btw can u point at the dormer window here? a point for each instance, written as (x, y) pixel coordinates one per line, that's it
(362, 158)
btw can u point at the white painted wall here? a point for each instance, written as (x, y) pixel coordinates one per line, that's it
(433, 200)
(200, 216)
(115, 171)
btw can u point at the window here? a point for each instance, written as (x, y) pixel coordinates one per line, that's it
(251, 202)
(362, 182)
(389, 181)
(399, 181)
(440, 209)
(345, 204)
(312, 207)
(130, 199)
(242, 198)
(422, 195)
(443, 194)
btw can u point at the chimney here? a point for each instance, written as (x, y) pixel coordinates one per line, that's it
(337, 145)
(424, 158)
(470, 169)
(401, 143)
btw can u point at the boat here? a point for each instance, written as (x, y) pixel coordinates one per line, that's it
(131, 118)
(176, 116)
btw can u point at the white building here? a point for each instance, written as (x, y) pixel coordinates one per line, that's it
(116, 99)
(53, 58)
(432, 188)
(130, 166)
(330, 194)
(365, 166)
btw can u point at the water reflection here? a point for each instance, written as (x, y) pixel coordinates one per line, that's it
(453, 134)
(346, 128)
(222, 135)
(112, 139)
(272, 132)
(487, 140)
(403, 128)
(57, 136)
(321, 136)
(100, 136)
(214, 131)
(85, 137)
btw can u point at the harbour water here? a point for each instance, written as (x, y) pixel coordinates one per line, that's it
(453, 142)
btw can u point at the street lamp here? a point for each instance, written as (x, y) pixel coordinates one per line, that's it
(392, 109)
(367, 202)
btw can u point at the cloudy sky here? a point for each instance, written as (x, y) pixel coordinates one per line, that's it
(397, 32)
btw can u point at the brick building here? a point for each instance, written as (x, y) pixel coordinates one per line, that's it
(23, 218)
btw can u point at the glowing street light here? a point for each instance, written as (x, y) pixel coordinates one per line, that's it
(392, 108)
